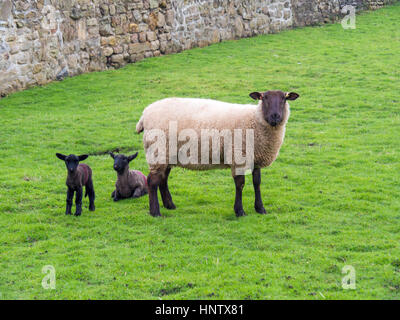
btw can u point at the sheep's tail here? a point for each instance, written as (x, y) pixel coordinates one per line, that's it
(139, 126)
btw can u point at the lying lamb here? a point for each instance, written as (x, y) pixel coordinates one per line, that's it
(130, 183)
(79, 175)
(267, 121)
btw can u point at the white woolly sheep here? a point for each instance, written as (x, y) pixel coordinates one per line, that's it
(171, 121)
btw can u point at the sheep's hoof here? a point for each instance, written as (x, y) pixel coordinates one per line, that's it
(170, 206)
(77, 214)
(68, 213)
(240, 213)
(116, 199)
(261, 210)
(156, 214)
(92, 208)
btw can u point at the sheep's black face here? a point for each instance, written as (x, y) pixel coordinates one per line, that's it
(121, 162)
(273, 105)
(71, 161)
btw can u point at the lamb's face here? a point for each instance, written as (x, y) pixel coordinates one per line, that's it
(71, 161)
(121, 162)
(273, 105)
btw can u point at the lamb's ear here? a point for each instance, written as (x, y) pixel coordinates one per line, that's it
(61, 156)
(291, 95)
(256, 95)
(130, 158)
(112, 155)
(83, 157)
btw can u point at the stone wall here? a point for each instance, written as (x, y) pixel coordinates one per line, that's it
(45, 40)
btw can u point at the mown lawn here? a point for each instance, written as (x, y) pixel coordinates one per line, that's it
(333, 194)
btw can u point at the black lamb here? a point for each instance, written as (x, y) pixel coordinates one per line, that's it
(79, 175)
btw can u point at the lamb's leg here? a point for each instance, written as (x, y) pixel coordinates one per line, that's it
(70, 196)
(153, 181)
(239, 183)
(78, 201)
(91, 194)
(258, 204)
(165, 194)
(116, 195)
(137, 193)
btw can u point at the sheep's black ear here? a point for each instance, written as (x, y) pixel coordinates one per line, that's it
(256, 95)
(130, 158)
(83, 157)
(61, 156)
(112, 155)
(291, 95)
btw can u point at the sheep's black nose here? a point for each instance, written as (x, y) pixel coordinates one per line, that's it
(275, 117)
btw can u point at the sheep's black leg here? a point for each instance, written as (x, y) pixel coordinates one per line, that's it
(239, 183)
(91, 194)
(70, 196)
(78, 201)
(153, 181)
(165, 194)
(113, 193)
(258, 204)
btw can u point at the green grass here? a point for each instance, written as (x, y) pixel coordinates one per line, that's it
(333, 194)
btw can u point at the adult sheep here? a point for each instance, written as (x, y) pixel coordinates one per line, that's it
(169, 122)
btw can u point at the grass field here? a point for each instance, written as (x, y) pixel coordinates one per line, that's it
(333, 194)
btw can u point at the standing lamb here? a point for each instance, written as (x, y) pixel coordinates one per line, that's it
(130, 183)
(267, 121)
(79, 175)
